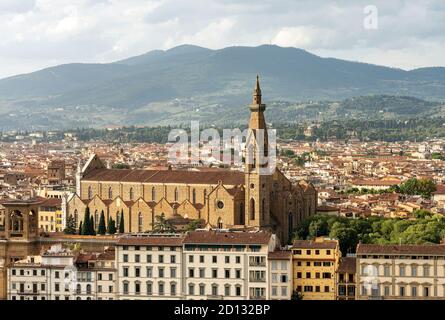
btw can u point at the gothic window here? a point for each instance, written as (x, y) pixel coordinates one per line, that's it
(90, 193)
(193, 196)
(176, 195)
(205, 195)
(153, 193)
(241, 213)
(110, 193)
(118, 219)
(252, 209)
(76, 216)
(220, 223)
(131, 194)
(140, 222)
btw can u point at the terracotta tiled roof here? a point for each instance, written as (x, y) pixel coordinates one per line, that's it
(279, 255)
(440, 189)
(52, 202)
(166, 176)
(217, 237)
(310, 244)
(347, 265)
(151, 241)
(425, 249)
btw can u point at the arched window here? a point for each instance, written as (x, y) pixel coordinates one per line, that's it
(193, 196)
(176, 195)
(110, 193)
(76, 216)
(16, 223)
(78, 289)
(140, 222)
(88, 288)
(220, 223)
(241, 213)
(153, 193)
(252, 209)
(205, 195)
(131, 194)
(90, 192)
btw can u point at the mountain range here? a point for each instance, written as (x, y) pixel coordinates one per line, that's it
(191, 82)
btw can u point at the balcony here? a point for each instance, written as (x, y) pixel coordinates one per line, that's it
(257, 279)
(257, 297)
(28, 292)
(257, 263)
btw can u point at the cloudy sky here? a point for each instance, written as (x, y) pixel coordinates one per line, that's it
(39, 33)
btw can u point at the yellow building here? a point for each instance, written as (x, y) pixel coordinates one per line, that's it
(315, 263)
(50, 215)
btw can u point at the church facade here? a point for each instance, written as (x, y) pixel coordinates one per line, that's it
(223, 199)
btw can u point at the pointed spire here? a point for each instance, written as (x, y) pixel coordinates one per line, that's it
(257, 91)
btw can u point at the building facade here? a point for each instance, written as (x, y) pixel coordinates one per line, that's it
(399, 272)
(346, 279)
(315, 264)
(280, 275)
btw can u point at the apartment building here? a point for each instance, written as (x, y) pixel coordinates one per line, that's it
(50, 215)
(280, 275)
(227, 265)
(399, 272)
(346, 285)
(60, 274)
(315, 263)
(150, 267)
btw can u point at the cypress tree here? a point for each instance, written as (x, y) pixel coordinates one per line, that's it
(101, 229)
(111, 226)
(121, 223)
(92, 230)
(86, 222)
(80, 228)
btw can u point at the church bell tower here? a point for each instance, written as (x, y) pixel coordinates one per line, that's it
(257, 178)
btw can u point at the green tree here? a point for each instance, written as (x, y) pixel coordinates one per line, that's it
(92, 231)
(122, 223)
(102, 229)
(193, 225)
(80, 228)
(162, 225)
(347, 238)
(86, 227)
(111, 226)
(70, 225)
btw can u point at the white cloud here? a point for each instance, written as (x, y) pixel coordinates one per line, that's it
(40, 33)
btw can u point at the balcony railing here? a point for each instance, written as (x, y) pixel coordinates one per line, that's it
(257, 279)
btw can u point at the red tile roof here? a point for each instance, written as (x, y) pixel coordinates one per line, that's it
(425, 249)
(151, 241)
(218, 237)
(166, 176)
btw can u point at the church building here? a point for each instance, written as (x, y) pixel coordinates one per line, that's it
(221, 199)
